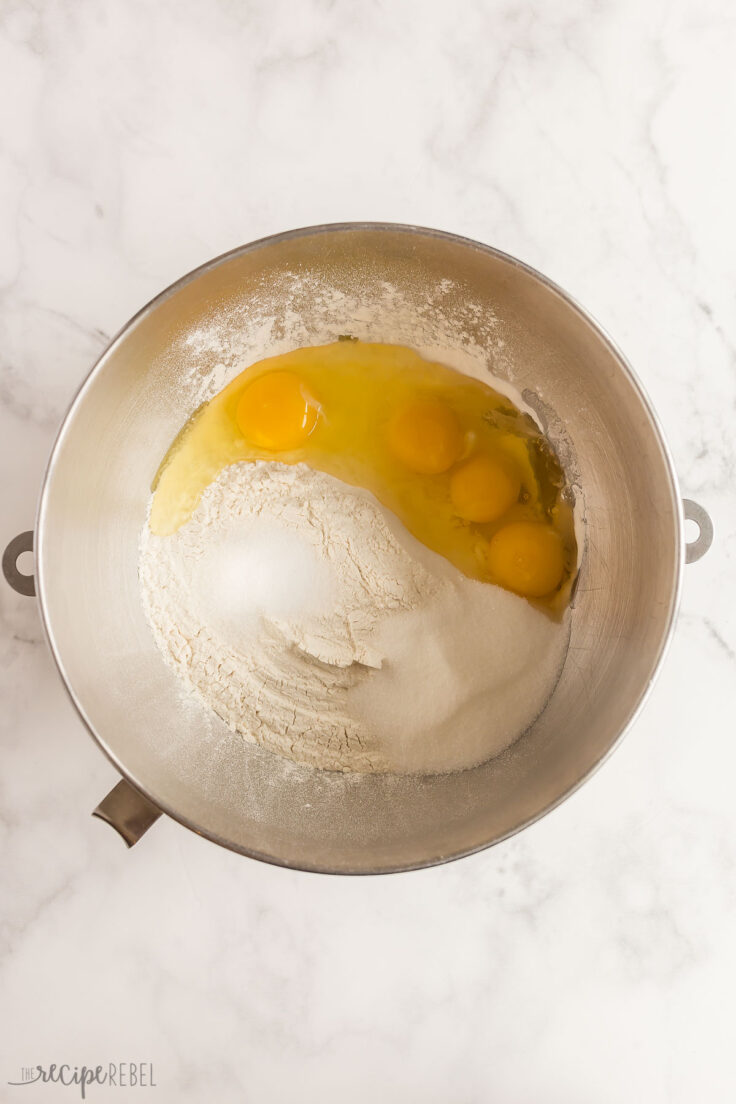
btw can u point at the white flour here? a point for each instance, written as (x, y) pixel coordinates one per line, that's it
(313, 623)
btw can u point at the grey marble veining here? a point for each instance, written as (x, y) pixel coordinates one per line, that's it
(591, 958)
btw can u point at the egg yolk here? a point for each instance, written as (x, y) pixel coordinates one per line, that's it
(527, 557)
(276, 412)
(425, 436)
(484, 488)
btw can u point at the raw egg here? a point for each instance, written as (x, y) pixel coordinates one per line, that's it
(276, 411)
(527, 557)
(469, 474)
(425, 436)
(485, 487)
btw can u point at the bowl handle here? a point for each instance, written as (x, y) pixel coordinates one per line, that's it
(24, 584)
(697, 548)
(127, 811)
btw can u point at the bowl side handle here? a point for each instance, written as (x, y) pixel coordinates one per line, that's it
(697, 548)
(23, 584)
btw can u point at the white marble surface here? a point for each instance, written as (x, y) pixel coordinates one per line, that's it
(590, 959)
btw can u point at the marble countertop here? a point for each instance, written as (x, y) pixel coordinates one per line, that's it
(590, 959)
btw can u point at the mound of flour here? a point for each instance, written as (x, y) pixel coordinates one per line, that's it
(306, 617)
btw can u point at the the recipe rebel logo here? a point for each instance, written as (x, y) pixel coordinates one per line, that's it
(115, 1075)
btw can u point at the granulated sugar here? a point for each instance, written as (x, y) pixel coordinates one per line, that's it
(462, 676)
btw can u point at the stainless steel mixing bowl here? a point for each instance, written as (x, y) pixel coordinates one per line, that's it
(175, 757)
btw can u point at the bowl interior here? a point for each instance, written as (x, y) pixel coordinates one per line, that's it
(472, 307)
